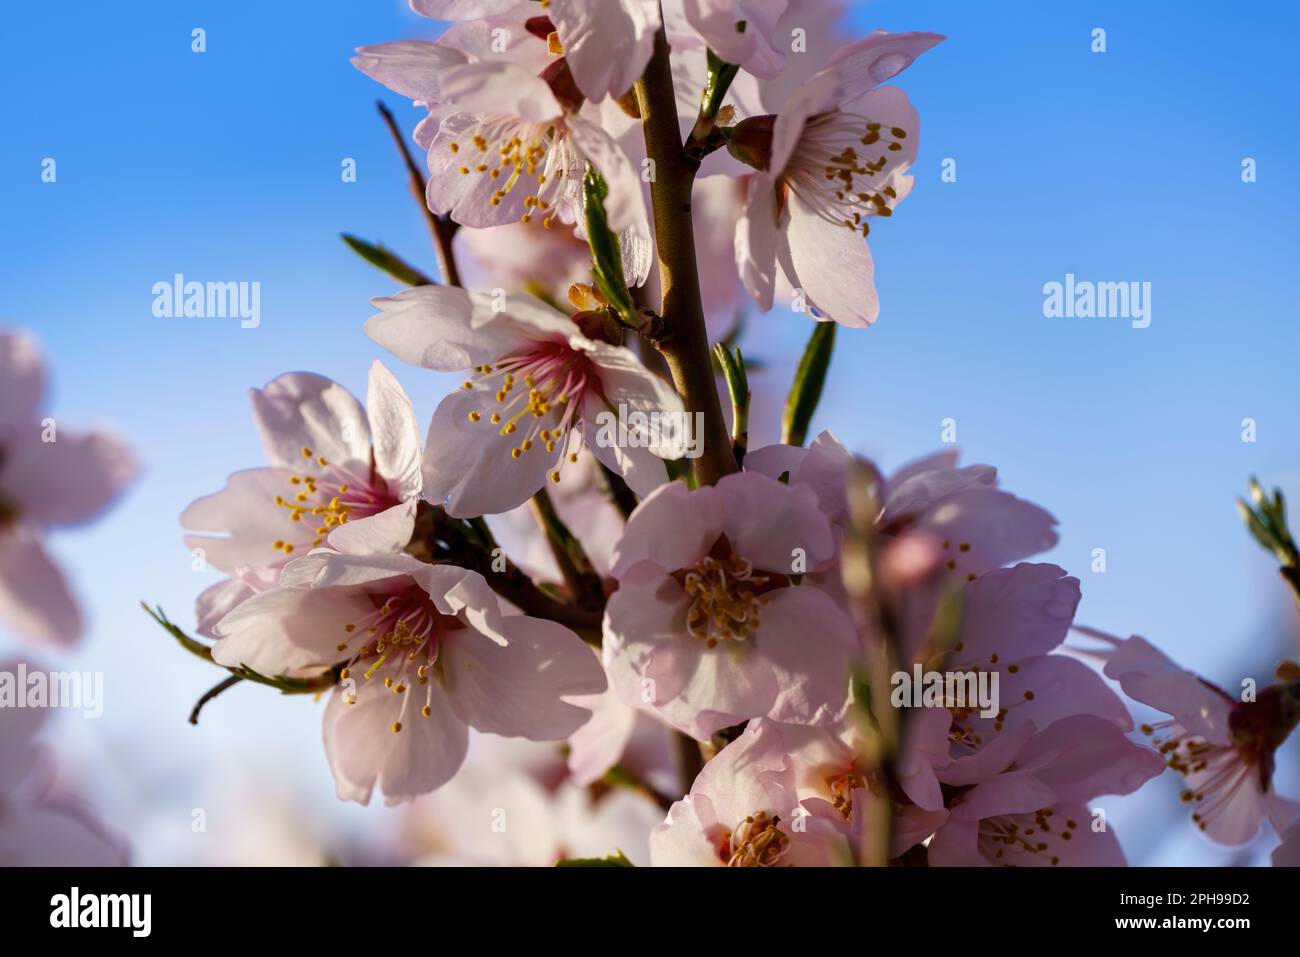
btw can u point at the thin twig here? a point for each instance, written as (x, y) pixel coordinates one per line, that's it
(442, 228)
(212, 693)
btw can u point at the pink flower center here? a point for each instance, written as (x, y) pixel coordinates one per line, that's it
(326, 497)
(398, 640)
(726, 595)
(1215, 771)
(505, 152)
(833, 170)
(546, 411)
(757, 841)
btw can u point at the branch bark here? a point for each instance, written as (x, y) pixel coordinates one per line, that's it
(684, 345)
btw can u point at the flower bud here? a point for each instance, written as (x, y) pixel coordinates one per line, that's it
(750, 141)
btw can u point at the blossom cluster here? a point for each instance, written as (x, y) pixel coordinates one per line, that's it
(708, 632)
(623, 179)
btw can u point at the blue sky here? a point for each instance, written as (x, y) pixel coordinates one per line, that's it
(1115, 166)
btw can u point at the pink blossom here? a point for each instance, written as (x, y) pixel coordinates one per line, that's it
(425, 653)
(538, 387)
(976, 526)
(1223, 747)
(607, 43)
(50, 477)
(709, 627)
(832, 160)
(743, 811)
(1022, 799)
(1012, 620)
(337, 472)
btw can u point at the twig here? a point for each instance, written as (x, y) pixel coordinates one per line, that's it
(212, 693)
(442, 228)
(685, 343)
(440, 538)
(570, 556)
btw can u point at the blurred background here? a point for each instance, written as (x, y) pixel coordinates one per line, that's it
(1119, 166)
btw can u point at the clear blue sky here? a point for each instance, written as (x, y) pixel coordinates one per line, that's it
(1123, 165)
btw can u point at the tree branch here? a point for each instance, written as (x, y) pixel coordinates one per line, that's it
(442, 228)
(685, 344)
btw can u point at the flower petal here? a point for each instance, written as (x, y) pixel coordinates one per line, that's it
(394, 432)
(301, 411)
(439, 327)
(35, 600)
(607, 44)
(67, 481)
(365, 752)
(517, 690)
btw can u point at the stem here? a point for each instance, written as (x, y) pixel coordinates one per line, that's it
(685, 344)
(442, 228)
(440, 538)
(575, 566)
(212, 693)
(617, 490)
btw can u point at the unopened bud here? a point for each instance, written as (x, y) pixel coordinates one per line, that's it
(751, 141)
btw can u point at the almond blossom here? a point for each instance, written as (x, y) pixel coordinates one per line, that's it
(709, 626)
(337, 472)
(974, 525)
(607, 43)
(1022, 800)
(743, 811)
(1222, 746)
(423, 652)
(539, 380)
(833, 159)
(50, 477)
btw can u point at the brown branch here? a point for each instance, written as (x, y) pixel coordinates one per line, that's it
(442, 227)
(685, 344)
(440, 538)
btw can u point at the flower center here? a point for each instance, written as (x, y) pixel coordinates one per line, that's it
(320, 502)
(505, 152)
(547, 410)
(1214, 771)
(841, 787)
(834, 171)
(756, 842)
(1003, 839)
(398, 639)
(725, 595)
